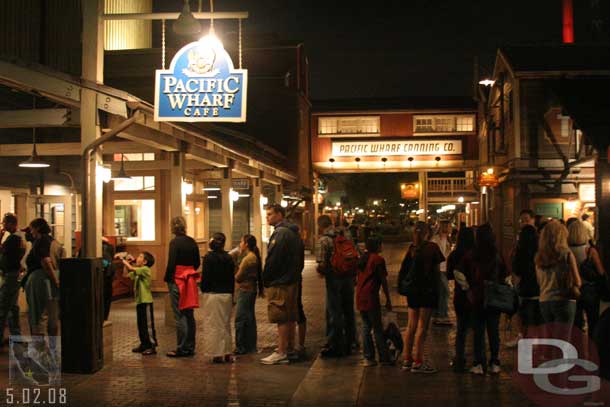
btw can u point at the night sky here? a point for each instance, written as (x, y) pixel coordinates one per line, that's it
(404, 48)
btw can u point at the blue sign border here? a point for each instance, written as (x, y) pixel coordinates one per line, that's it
(225, 61)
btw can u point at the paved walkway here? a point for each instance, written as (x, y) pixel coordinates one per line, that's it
(134, 380)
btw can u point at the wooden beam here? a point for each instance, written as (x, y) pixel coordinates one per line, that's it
(126, 147)
(272, 179)
(245, 169)
(46, 149)
(198, 153)
(151, 138)
(13, 119)
(139, 165)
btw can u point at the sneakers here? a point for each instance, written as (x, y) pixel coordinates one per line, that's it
(275, 359)
(406, 365)
(368, 363)
(514, 342)
(423, 368)
(494, 368)
(477, 369)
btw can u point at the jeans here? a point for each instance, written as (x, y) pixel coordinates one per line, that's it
(145, 341)
(464, 323)
(587, 304)
(9, 310)
(185, 322)
(371, 321)
(341, 328)
(558, 311)
(245, 322)
(486, 320)
(442, 311)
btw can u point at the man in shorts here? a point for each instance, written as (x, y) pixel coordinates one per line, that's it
(281, 277)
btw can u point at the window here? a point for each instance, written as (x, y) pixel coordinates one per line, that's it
(424, 125)
(464, 123)
(444, 124)
(137, 183)
(135, 219)
(193, 213)
(349, 126)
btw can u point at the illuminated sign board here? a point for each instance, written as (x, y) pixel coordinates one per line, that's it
(586, 192)
(396, 147)
(201, 85)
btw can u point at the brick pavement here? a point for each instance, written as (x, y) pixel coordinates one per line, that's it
(133, 380)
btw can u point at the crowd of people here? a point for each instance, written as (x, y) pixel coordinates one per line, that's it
(554, 272)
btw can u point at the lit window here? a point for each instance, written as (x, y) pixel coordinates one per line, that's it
(134, 219)
(349, 126)
(423, 125)
(465, 123)
(137, 183)
(444, 124)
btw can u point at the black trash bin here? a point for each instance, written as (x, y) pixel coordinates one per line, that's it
(82, 315)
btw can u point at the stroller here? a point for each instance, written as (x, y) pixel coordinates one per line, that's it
(393, 336)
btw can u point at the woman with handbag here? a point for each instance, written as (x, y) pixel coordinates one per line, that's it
(591, 272)
(419, 280)
(557, 275)
(484, 265)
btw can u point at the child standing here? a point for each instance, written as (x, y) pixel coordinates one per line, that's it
(372, 275)
(141, 276)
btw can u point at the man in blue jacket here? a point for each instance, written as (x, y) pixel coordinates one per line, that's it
(281, 277)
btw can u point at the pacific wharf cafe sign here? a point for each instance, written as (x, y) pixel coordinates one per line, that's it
(201, 85)
(396, 147)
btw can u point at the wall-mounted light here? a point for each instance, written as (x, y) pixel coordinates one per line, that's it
(437, 159)
(187, 187)
(461, 199)
(103, 173)
(332, 160)
(284, 203)
(384, 159)
(357, 159)
(264, 200)
(234, 195)
(487, 82)
(490, 170)
(122, 174)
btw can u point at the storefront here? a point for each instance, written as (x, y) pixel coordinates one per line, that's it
(435, 141)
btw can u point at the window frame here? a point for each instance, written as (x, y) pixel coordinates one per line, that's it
(453, 118)
(337, 133)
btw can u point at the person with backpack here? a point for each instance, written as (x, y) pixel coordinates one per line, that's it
(484, 264)
(372, 274)
(591, 272)
(419, 280)
(337, 262)
(463, 312)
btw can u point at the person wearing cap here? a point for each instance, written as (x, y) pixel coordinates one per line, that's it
(12, 249)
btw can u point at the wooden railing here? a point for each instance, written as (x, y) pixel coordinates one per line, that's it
(452, 186)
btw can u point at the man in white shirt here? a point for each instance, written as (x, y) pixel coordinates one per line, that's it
(441, 315)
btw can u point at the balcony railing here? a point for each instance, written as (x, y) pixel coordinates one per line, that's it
(451, 186)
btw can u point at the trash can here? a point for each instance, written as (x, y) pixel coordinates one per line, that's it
(81, 315)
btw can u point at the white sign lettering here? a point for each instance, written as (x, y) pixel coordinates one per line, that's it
(396, 147)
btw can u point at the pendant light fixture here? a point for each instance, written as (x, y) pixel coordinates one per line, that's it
(34, 161)
(186, 24)
(122, 174)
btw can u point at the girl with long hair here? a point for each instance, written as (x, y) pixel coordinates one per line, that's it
(464, 246)
(557, 273)
(484, 264)
(217, 284)
(249, 281)
(421, 266)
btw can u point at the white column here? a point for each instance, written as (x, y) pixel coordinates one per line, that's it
(92, 70)
(423, 195)
(257, 218)
(226, 210)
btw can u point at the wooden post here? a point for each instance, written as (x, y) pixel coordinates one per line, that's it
(602, 199)
(93, 71)
(257, 218)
